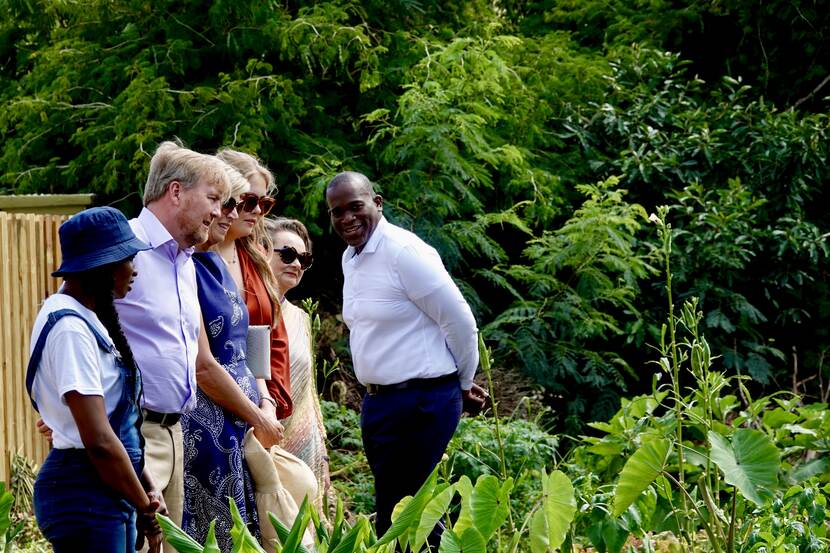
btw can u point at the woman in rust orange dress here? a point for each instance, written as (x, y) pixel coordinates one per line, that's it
(246, 251)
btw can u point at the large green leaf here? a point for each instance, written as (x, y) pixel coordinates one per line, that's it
(472, 541)
(749, 462)
(639, 472)
(550, 523)
(356, 535)
(484, 506)
(6, 502)
(243, 541)
(450, 543)
(177, 537)
(809, 469)
(293, 543)
(490, 504)
(435, 509)
(410, 514)
(283, 531)
(465, 518)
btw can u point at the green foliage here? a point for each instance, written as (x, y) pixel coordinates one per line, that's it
(474, 450)
(795, 522)
(550, 524)
(639, 472)
(777, 44)
(742, 179)
(351, 478)
(577, 289)
(749, 461)
(477, 121)
(485, 509)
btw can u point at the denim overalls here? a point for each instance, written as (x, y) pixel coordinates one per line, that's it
(75, 510)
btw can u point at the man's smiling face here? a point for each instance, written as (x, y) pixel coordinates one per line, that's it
(354, 212)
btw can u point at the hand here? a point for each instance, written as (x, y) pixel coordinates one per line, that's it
(44, 430)
(474, 399)
(148, 526)
(154, 542)
(269, 430)
(269, 407)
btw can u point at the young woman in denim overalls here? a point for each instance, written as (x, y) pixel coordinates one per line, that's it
(84, 382)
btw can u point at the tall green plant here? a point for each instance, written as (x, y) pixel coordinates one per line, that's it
(575, 294)
(747, 458)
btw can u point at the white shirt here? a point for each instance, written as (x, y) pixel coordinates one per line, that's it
(161, 318)
(72, 361)
(407, 318)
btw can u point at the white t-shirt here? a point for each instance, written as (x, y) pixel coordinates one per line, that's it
(71, 361)
(407, 318)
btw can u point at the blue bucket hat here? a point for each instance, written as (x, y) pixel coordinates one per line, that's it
(95, 237)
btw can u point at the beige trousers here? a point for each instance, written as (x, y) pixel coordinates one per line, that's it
(164, 459)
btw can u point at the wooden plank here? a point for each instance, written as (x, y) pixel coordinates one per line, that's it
(5, 339)
(16, 324)
(27, 254)
(37, 447)
(30, 248)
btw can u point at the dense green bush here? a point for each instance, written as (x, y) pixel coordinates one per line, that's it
(481, 123)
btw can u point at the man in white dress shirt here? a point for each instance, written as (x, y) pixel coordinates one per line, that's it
(413, 340)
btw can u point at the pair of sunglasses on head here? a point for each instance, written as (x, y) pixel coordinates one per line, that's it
(289, 254)
(248, 202)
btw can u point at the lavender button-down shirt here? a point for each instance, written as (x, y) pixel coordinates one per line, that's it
(161, 317)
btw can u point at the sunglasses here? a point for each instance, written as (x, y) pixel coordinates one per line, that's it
(289, 254)
(248, 202)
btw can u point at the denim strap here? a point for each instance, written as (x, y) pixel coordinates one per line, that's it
(37, 352)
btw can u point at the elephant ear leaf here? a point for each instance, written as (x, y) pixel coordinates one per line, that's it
(639, 472)
(550, 523)
(749, 462)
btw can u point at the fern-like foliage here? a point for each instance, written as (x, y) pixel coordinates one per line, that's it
(575, 294)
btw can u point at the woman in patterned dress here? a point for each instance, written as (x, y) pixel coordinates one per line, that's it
(247, 248)
(228, 400)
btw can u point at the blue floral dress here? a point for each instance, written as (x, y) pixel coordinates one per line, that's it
(214, 463)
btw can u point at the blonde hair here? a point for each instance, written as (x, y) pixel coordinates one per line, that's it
(237, 184)
(258, 244)
(248, 166)
(284, 224)
(173, 162)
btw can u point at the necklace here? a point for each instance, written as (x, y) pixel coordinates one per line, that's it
(234, 260)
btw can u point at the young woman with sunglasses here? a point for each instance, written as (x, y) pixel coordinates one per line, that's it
(228, 396)
(305, 435)
(246, 249)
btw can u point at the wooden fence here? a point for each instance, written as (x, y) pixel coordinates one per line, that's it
(29, 252)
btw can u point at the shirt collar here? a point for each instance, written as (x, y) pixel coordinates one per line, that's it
(374, 240)
(157, 234)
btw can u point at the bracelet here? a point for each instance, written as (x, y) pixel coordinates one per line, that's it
(269, 399)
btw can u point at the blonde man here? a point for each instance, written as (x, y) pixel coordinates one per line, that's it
(160, 315)
(184, 193)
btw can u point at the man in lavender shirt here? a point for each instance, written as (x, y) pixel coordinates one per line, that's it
(160, 315)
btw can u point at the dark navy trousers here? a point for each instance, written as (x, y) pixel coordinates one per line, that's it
(405, 434)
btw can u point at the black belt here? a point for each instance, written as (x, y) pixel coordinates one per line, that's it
(413, 383)
(164, 419)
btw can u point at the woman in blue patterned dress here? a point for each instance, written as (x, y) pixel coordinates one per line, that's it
(228, 400)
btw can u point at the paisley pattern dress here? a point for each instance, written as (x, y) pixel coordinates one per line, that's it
(214, 463)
